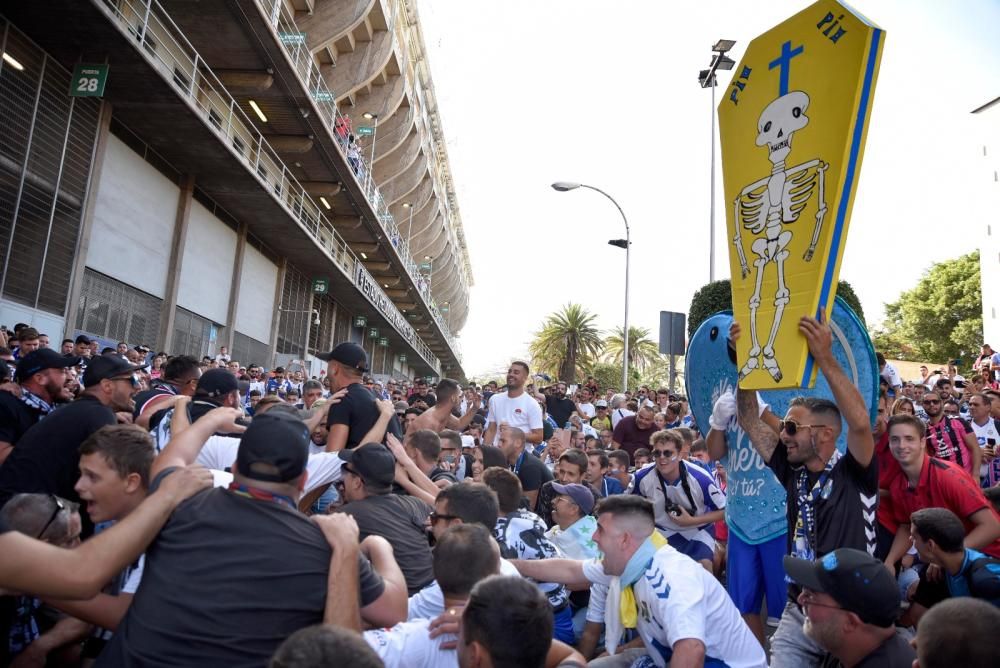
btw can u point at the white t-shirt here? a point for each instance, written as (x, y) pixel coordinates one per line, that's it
(428, 603)
(588, 410)
(219, 453)
(891, 375)
(522, 412)
(988, 430)
(617, 414)
(679, 599)
(409, 645)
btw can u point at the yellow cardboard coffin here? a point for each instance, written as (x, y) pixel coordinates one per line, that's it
(793, 124)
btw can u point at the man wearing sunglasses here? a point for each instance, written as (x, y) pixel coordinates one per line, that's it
(949, 437)
(47, 458)
(831, 497)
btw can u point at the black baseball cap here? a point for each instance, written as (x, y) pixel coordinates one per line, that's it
(858, 581)
(349, 354)
(42, 359)
(274, 448)
(107, 366)
(217, 383)
(373, 462)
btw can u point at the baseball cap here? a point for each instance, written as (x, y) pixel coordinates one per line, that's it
(400, 407)
(42, 359)
(600, 403)
(581, 495)
(107, 366)
(858, 581)
(274, 448)
(216, 383)
(349, 354)
(373, 462)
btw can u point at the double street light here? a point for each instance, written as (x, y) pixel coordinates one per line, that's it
(720, 61)
(373, 117)
(564, 186)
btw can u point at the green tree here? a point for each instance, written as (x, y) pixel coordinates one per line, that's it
(567, 343)
(718, 296)
(607, 375)
(642, 350)
(658, 374)
(940, 318)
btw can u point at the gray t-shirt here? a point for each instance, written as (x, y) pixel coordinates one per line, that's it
(400, 520)
(228, 578)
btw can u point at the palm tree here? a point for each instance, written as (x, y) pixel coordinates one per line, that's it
(643, 352)
(567, 342)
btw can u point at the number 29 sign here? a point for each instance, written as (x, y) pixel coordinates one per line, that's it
(88, 80)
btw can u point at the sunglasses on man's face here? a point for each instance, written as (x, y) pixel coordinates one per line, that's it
(791, 427)
(60, 506)
(931, 402)
(666, 454)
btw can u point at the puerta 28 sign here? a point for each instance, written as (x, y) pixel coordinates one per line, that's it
(793, 124)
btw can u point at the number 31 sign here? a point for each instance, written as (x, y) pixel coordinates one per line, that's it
(88, 80)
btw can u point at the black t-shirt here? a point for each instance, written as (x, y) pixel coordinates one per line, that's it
(400, 520)
(358, 411)
(896, 652)
(428, 399)
(226, 581)
(531, 472)
(560, 408)
(47, 458)
(16, 417)
(845, 506)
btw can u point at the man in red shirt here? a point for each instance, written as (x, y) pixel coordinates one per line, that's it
(930, 482)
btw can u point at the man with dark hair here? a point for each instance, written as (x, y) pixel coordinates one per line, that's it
(441, 414)
(950, 437)
(930, 482)
(507, 624)
(939, 538)
(529, 469)
(27, 342)
(521, 535)
(67, 347)
(597, 477)
(958, 632)
(312, 391)
(618, 467)
(254, 551)
(851, 604)
(463, 556)
(424, 447)
(180, 377)
(422, 395)
(41, 376)
(368, 473)
(323, 645)
(570, 469)
(514, 408)
(47, 457)
(679, 609)
(830, 497)
(351, 419)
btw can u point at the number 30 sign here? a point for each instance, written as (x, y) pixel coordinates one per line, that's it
(88, 80)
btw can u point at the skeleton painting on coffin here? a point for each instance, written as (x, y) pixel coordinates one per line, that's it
(793, 124)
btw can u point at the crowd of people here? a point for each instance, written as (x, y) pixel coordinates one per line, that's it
(170, 510)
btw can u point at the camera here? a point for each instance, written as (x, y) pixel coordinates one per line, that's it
(672, 508)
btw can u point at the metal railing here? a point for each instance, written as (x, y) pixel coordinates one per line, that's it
(163, 45)
(299, 55)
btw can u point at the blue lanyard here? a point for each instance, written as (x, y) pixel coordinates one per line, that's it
(517, 466)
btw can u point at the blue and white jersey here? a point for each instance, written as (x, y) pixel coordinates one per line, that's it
(704, 493)
(676, 599)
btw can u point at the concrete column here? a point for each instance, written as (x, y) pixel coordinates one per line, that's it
(87, 220)
(234, 292)
(168, 312)
(276, 317)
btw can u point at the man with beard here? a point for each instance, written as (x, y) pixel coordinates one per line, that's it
(47, 458)
(949, 437)
(515, 408)
(831, 497)
(42, 377)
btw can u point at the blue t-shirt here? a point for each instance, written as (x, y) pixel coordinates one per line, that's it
(755, 500)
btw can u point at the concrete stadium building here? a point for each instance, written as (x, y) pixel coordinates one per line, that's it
(216, 186)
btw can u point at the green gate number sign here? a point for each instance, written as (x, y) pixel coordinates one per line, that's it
(365, 131)
(88, 80)
(321, 286)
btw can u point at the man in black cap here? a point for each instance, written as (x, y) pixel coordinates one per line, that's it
(367, 474)
(42, 377)
(235, 571)
(351, 419)
(47, 458)
(851, 603)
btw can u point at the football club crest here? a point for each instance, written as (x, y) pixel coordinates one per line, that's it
(792, 125)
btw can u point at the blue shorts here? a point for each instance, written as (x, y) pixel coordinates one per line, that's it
(695, 549)
(753, 570)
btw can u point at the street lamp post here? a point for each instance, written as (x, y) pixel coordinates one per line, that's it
(409, 228)
(371, 165)
(626, 243)
(720, 61)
